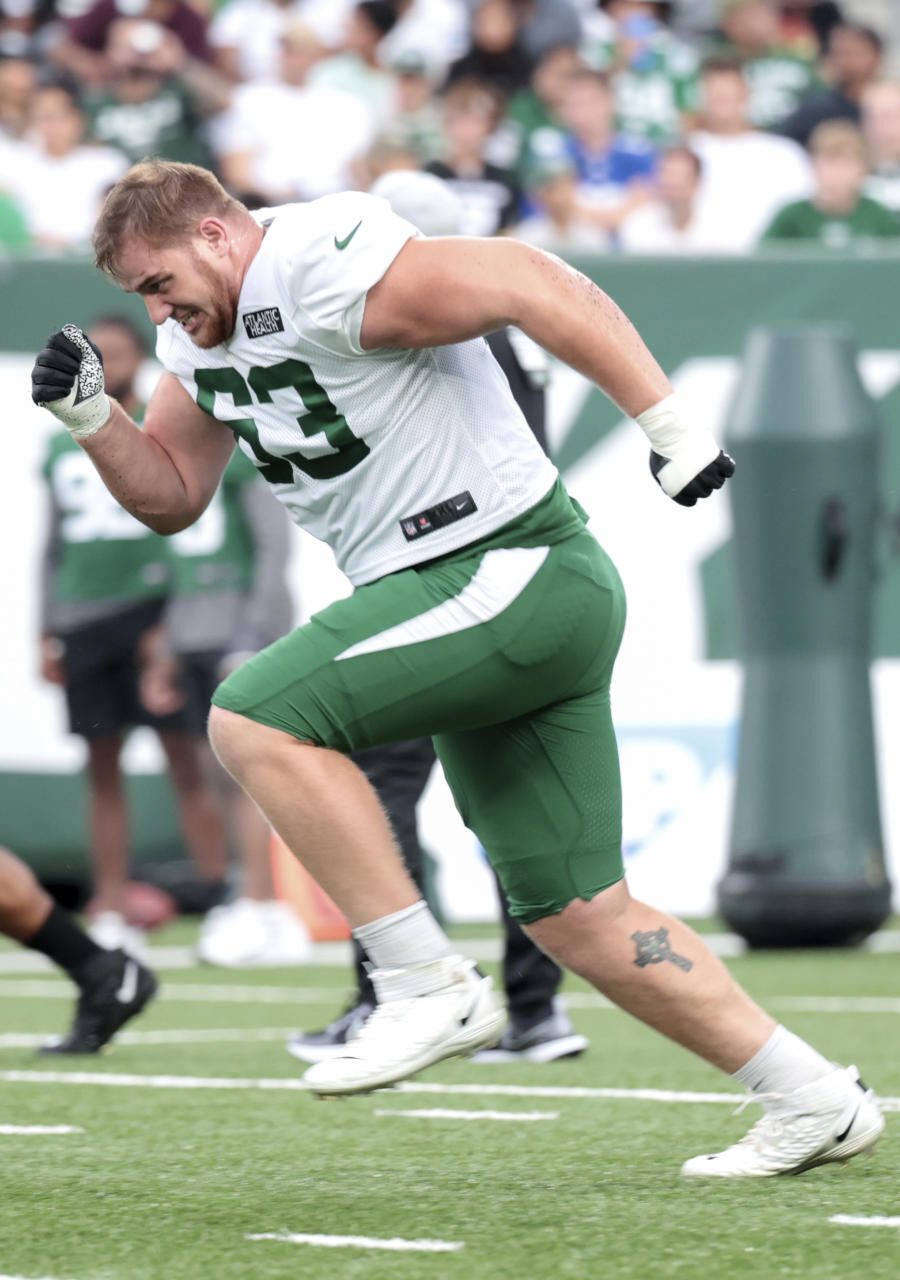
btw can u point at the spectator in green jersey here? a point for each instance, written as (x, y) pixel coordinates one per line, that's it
(654, 74)
(838, 214)
(778, 76)
(154, 97)
(105, 578)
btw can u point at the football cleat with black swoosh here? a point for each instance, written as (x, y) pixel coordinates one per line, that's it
(443, 1009)
(825, 1122)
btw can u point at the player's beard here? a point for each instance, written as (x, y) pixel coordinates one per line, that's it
(219, 314)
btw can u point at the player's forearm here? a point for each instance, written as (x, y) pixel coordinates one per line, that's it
(140, 474)
(575, 320)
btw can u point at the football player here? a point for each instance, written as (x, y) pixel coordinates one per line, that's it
(344, 352)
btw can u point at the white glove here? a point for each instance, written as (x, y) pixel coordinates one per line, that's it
(67, 379)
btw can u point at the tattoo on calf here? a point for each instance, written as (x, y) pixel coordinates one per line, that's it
(653, 947)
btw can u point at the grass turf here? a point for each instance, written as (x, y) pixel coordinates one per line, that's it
(165, 1184)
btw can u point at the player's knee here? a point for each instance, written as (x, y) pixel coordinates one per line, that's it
(232, 738)
(582, 923)
(242, 745)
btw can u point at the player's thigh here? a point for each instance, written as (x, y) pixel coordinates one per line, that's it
(464, 643)
(544, 797)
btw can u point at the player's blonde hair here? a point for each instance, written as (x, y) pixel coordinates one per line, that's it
(161, 202)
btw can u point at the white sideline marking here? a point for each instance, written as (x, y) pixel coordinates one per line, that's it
(328, 955)
(291, 1084)
(449, 1113)
(836, 1004)
(38, 1129)
(219, 993)
(847, 1220)
(190, 992)
(31, 1040)
(395, 1244)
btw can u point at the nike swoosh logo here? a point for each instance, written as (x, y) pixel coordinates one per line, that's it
(842, 1136)
(128, 990)
(342, 244)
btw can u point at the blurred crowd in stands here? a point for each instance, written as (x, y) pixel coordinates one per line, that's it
(634, 126)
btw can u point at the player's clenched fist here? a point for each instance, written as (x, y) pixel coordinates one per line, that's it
(67, 379)
(686, 463)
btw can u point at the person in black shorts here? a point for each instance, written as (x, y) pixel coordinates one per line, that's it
(104, 583)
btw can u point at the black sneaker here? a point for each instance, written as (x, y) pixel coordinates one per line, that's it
(116, 988)
(315, 1046)
(545, 1041)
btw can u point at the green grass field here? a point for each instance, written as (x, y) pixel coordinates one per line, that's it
(173, 1171)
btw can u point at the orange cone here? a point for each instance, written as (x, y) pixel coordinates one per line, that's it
(294, 884)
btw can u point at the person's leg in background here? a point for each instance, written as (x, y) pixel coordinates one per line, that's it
(540, 1029)
(108, 828)
(29, 915)
(199, 815)
(254, 928)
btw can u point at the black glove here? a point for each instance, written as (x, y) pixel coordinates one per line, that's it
(668, 472)
(67, 379)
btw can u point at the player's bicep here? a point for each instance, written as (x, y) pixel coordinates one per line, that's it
(445, 290)
(198, 445)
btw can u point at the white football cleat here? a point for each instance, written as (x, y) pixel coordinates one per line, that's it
(824, 1122)
(443, 1009)
(248, 934)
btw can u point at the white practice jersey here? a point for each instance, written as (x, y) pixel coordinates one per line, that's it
(391, 457)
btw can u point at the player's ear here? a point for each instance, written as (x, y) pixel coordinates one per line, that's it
(215, 234)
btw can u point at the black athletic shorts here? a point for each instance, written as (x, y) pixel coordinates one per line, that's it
(101, 673)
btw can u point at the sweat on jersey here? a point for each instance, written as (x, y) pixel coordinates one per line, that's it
(392, 457)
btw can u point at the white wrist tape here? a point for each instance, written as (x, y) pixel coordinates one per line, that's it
(689, 450)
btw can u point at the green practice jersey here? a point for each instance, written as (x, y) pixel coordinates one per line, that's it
(96, 551)
(216, 552)
(804, 220)
(653, 97)
(778, 79)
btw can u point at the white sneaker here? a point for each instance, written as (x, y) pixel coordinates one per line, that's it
(829, 1120)
(287, 937)
(426, 1014)
(247, 934)
(110, 930)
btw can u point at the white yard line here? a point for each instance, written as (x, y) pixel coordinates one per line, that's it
(246, 993)
(37, 1130)
(449, 1113)
(835, 1004)
(227, 1035)
(338, 954)
(847, 1220)
(188, 992)
(395, 1244)
(292, 1084)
